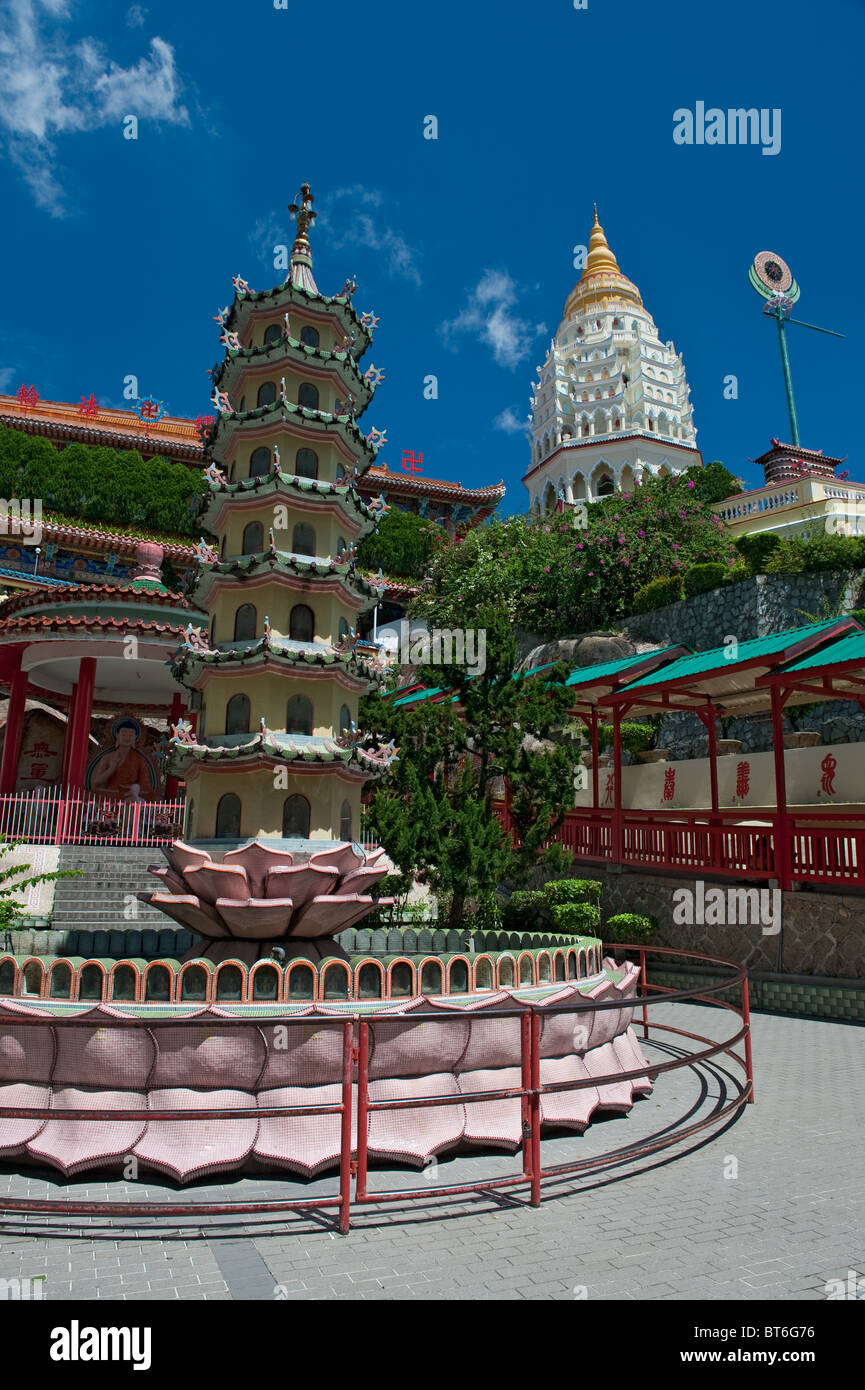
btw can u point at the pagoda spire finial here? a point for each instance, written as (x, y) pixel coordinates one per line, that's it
(600, 259)
(300, 266)
(302, 210)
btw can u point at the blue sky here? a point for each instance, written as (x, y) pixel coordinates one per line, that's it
(117, 253)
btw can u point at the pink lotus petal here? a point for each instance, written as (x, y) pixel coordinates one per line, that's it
(72, 1145)
(256, 859)
(331, 913)
(189, 912)
(181, 857)
(171, 880)
(343, 856)
(361, 880)
(188, 1148)
(14, 1134)
(300, 882)
(213, 881)
(305, 1143)
(257, 919)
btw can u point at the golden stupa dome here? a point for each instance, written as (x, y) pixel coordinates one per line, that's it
(601, 280)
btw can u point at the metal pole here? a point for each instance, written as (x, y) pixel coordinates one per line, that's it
(345, 1127)
(788, 380)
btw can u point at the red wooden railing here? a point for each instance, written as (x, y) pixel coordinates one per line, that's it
(823, 845)
(55, 817)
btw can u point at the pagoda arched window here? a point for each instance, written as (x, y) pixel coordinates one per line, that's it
(345, 825)
(341, 546)
(306, 463)
(228, 817)
(345, 720)
(245, 622)
(237, 715)
(307, 395)
(266, 393)
(259, 463)
(303, 539)
(301, 624)
(309, 335)
(343, 629)
(340, 472)
(272, 333)
(253, 539)
(295, 818)
(298, 715)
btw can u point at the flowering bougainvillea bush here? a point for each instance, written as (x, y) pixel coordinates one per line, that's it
(553, 577)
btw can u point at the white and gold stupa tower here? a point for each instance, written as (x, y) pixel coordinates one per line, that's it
(611, 402)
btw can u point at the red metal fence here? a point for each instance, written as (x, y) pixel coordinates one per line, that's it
(55, 817)
(353, 1166)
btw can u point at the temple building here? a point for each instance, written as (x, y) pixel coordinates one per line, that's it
(179, 439)
(276, 678)
(611, 402)
(803, 495)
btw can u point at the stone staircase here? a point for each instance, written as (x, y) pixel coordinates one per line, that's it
(104, 898)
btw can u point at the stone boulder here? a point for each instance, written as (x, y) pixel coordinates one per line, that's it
(585, 650)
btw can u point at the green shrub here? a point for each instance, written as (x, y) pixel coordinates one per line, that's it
(522, 909)
(858, 614)
(700, 579)
(636, 738)
(657, 593)
(572, 890)
(629, 926)
(578, 919)
(736, 573)
(794, 555)
(755, 550)
(488, 916)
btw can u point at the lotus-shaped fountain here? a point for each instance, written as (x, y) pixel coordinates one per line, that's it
(255, 897)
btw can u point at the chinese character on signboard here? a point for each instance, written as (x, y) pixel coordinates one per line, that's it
(27, 396)
(88, 410)
(669, 784)
(743, 779)
(827, 781)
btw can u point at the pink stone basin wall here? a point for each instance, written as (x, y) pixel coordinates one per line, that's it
(192, 1063)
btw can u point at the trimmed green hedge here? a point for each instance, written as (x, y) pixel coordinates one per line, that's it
(658, 593)
(701, 579)
(629, 926)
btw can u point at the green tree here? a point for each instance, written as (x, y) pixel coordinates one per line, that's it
(400, 545)
(435, 815)
(714, 482)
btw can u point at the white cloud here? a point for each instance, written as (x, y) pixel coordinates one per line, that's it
(352, 226)
(491, 317)
(508, 421)
(49, 88)
(7, 376)
(135, 16)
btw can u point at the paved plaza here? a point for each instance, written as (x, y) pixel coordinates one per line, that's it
(770, 1207)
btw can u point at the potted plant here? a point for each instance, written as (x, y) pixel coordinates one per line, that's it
(640, 741)
(799, 737)
(726, 746)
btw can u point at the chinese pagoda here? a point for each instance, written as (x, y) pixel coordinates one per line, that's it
(275, 757)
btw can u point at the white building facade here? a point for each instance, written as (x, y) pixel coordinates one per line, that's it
(611, 402)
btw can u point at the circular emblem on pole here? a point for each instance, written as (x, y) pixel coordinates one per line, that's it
(770, 276)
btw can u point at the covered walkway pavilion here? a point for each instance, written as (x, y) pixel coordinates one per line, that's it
(780, 842)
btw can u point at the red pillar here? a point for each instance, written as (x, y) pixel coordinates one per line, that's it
(67, 739)
(178, 709)
(709, 721)
(618, 837)
(782, 831)
(79, 734)
(14, 731)
(595, 757)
